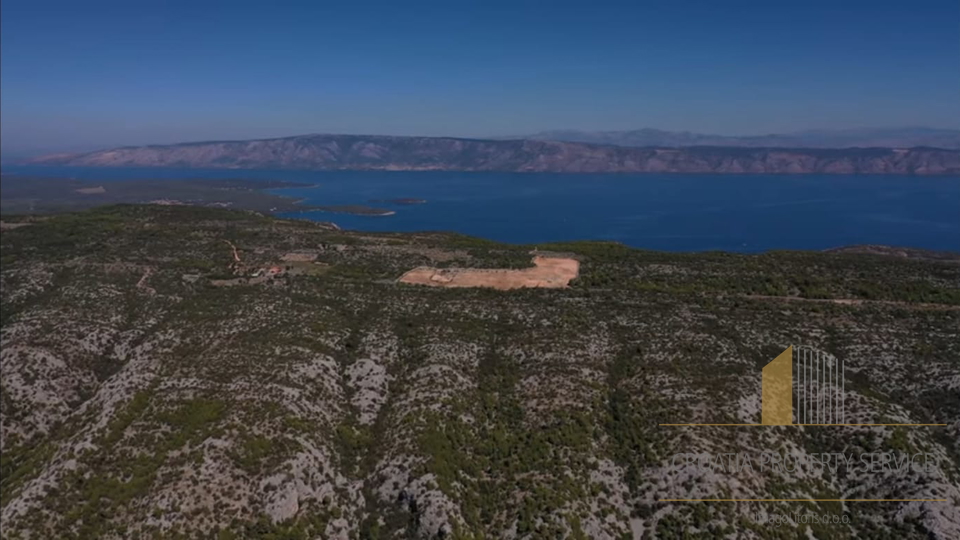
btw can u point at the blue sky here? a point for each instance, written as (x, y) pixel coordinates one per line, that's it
(83, 75)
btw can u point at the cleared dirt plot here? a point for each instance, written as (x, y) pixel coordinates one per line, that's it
(299, 256)
(548, 272)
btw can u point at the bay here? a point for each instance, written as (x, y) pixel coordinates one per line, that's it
(671, 212)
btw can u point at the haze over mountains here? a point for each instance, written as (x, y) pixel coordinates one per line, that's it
(905, 137)
(377, 152)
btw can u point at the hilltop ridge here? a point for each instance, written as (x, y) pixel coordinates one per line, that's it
(902, 137)
(379, 152)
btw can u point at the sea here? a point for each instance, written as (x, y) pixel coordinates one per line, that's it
(670, 212)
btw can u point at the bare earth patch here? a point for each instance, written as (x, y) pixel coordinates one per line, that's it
(299, 256)
(549, 272)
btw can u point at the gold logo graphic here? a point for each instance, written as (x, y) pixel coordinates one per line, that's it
(802, 385)
(777, 394)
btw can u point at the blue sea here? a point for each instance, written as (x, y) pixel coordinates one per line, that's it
(672, 212)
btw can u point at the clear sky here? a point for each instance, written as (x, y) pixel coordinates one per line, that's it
(88, 74)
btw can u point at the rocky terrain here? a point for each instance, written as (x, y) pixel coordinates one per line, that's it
(358, 152)
(186, 372)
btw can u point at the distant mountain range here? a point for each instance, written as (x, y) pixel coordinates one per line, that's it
(374, 152)
(847, 138)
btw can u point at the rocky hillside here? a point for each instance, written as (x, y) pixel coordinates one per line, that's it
(842, 138)
(184, 372)
(437, 153)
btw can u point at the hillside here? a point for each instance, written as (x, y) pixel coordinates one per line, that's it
(358, 152)
(38, 195)
(157, 382)
(22, 194)
(842, 138)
